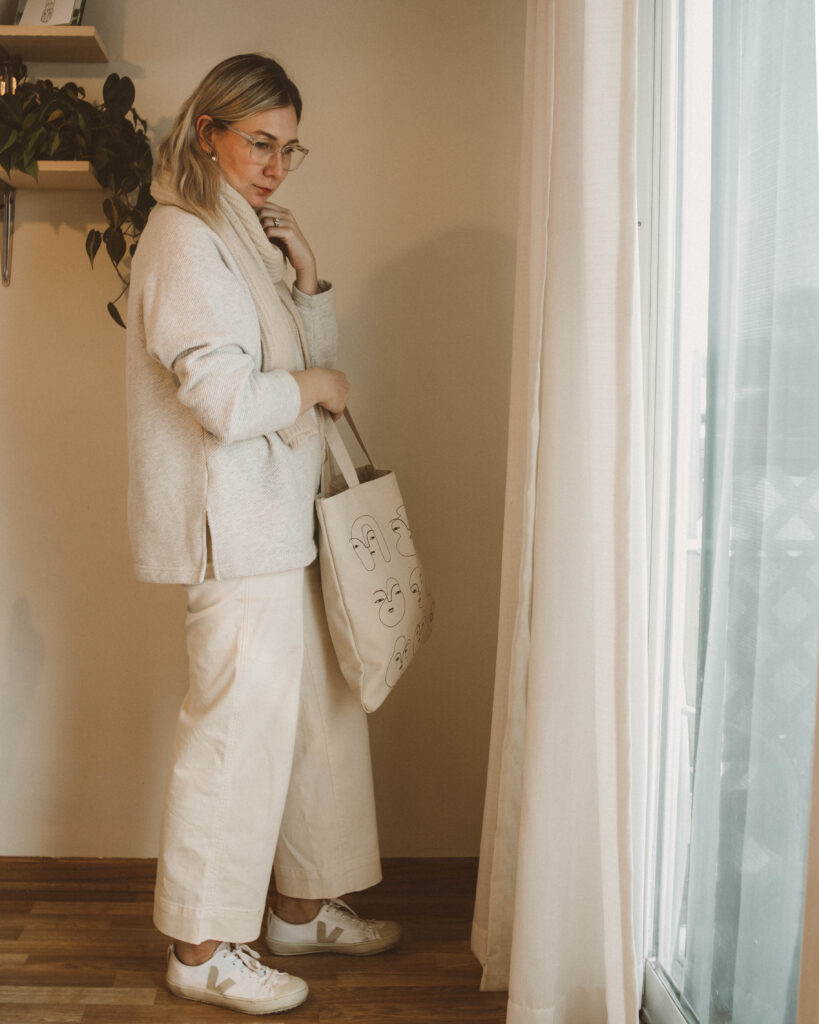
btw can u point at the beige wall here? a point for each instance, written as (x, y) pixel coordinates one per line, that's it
(412, 113)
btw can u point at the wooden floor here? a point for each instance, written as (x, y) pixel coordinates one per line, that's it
(77, 945)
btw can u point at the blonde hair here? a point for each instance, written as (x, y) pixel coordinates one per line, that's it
(236, 88)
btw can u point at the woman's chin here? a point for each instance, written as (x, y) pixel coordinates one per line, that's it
(260, 196)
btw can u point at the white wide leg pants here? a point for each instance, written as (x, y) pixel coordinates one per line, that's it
(271, 757)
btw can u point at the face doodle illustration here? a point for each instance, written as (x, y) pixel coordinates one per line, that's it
(367, 540)
(397, 661)
(416, 584)
(403, 536)
(390, 602)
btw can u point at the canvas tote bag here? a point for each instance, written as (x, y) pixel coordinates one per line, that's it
(379, 609)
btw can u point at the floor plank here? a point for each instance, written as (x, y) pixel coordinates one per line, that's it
(78, 946)
(17, 1014)
(53, 994)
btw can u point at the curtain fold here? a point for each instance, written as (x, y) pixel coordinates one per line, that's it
(558, 911)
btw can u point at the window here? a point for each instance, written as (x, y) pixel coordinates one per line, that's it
(729, 244)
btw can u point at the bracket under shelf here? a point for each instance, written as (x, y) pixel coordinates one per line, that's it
(47, 43)
(7, 202)
(54, 175)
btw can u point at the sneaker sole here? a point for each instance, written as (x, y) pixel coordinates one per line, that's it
(254, 1006)
(368, 948)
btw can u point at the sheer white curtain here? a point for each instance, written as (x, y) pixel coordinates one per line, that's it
(758, 648)
(558, 913)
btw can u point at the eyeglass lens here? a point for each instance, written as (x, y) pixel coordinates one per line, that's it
(263, 152)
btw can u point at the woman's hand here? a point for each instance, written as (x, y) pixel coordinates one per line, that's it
(328, 388)
(289, 236)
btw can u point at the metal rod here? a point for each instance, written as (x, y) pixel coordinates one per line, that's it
(7, 200)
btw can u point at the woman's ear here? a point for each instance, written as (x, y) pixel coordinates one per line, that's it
(204, 132)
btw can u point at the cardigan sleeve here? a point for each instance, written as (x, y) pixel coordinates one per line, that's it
(318, 314)
(200, 323)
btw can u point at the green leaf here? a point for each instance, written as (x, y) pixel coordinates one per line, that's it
(42, 120)
(30, 167)
(110, 211)
(115, 244)
(114, 313)
(93, 241)
(12, 138)
(138, 219)
(12, 107)
(118, 95)
(109, 89)
(36, 142)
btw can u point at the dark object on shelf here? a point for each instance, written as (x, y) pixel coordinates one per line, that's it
(12, 72)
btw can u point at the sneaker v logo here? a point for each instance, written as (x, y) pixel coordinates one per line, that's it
(213, 981)
(322, 936)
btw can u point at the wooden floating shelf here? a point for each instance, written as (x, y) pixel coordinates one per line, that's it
(68, 175)
(65, 43)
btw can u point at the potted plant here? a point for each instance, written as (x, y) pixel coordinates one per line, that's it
(42, 121)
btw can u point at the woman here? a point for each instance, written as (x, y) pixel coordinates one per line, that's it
(271, 753)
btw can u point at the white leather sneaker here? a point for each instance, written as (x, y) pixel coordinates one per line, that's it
(335, 929)
(233, 977)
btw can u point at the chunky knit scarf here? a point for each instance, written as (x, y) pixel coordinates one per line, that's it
(262, 266)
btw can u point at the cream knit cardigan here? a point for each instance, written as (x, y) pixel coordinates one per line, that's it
(203, 416)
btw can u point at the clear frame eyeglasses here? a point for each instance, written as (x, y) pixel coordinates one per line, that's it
(262, 151)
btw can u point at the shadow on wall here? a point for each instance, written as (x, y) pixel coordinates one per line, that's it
(96, 662)
(95, 670)
(22, 675)
(429, 356)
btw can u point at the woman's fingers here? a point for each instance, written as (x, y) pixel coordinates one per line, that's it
(276, 226)
(337, 393)
(280, 226)
(277, 219)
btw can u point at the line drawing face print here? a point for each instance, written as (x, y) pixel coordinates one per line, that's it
(390, 602)
(403, 535)
(397, 662)
(367, 540)
(416, 585)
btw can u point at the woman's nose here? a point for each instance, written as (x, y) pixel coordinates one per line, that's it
(274, 166)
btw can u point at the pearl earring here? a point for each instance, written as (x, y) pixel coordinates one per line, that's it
(213, 157)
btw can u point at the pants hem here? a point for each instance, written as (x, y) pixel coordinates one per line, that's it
(198, 924)
(354, 878)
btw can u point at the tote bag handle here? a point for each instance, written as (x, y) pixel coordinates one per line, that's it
(335, 444)
(332, 439)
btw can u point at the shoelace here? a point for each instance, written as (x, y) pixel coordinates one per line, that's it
(341, 911)
(249, 958)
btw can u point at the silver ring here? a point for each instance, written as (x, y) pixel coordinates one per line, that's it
(276, 222)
